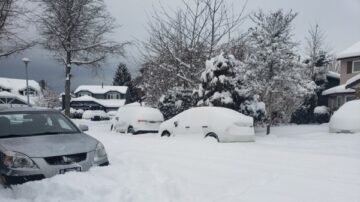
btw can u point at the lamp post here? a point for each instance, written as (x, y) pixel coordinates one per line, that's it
(27, 61)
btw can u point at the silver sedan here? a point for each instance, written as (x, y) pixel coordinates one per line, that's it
(37, 144)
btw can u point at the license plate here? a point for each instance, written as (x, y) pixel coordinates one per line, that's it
(76, 169)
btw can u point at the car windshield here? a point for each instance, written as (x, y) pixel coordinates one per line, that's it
(16, 124)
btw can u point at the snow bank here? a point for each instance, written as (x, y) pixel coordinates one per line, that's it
(347, 118)
(90, 114)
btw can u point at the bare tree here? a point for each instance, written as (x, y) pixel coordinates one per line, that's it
(11, 14)
(76, 32)
(182, 40)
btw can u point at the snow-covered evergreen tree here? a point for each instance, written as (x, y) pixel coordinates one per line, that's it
(273, 71)
(122, 77)
(176, 100)
(222, 84)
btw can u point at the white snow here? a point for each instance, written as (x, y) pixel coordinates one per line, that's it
(338, 89)
(353, 80)
(333, 74)
(89, 114)
(106, 103)
(321, 110)
(347, 118)
(352, 51)
(99, 89)
(294, 163)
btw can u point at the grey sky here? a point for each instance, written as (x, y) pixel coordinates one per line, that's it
(339, 19)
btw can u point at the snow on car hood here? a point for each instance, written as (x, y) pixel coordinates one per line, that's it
(50, 145)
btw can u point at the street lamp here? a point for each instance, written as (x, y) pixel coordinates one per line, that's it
(27, 61)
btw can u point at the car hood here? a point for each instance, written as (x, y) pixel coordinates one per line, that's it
(50, 145)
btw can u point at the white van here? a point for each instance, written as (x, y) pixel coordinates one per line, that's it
(137, 119)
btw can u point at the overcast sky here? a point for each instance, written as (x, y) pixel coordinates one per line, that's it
(339, 19)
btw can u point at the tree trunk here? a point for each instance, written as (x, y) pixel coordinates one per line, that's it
(67, 84)
(269, 114)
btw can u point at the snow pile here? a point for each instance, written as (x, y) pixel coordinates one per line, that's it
(352, 51)
(347, 118)
(321, 110)
(90, 114)
(98, 89)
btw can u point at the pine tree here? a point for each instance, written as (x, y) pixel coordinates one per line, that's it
(122, 76)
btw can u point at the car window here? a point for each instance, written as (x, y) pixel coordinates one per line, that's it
(34, 123)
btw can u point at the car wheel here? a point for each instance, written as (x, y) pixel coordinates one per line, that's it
(212, 135)
(165, 134)
(131, 130)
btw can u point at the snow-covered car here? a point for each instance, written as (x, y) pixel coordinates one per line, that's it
(95, 115)
(37, 144)
(346, 119)
(225, 125)
(137, 119)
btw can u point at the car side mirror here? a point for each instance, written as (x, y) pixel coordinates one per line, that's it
(176, 123)
(83, 128)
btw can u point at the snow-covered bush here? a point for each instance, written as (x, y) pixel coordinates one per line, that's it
(321, 114)
(93, 114)
(175, 101)
(254, 108)
(305, 113)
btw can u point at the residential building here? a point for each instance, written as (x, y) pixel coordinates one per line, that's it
(13, 91)
(349, 88)
(100, 97)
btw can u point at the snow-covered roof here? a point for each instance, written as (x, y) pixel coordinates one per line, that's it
(352, 51)
(353, 80)
(7, 95)
(18, 84)
(105, 103)
(338, 89)
(99, 89)
(333, 75)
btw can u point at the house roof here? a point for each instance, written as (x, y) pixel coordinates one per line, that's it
(352, 51)
(338, 90)
(105, 103)
(334, 75)
(7, 95)
(18, 84)
(353, 81)
(99, 89)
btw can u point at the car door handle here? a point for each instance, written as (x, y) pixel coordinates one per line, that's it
(205, 127)
(187, 127)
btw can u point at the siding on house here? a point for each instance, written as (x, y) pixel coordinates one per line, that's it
(346, 69)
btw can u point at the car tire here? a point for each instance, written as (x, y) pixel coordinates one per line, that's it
(131, 130)
(212, 135)
(165, 134)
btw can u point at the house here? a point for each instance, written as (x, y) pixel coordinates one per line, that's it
(349, 88)
(13, 91)
(100, 97)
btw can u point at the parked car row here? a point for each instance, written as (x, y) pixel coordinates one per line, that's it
(225, 125)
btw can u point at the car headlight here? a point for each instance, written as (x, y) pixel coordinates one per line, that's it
(17, 160)
(99, 152)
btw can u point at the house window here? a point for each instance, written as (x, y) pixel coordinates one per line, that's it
(350, 97)
(84, 94)
(32, 92)
(356, 66)
(112, 96)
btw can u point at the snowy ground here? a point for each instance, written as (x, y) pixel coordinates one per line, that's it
(295, 163)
